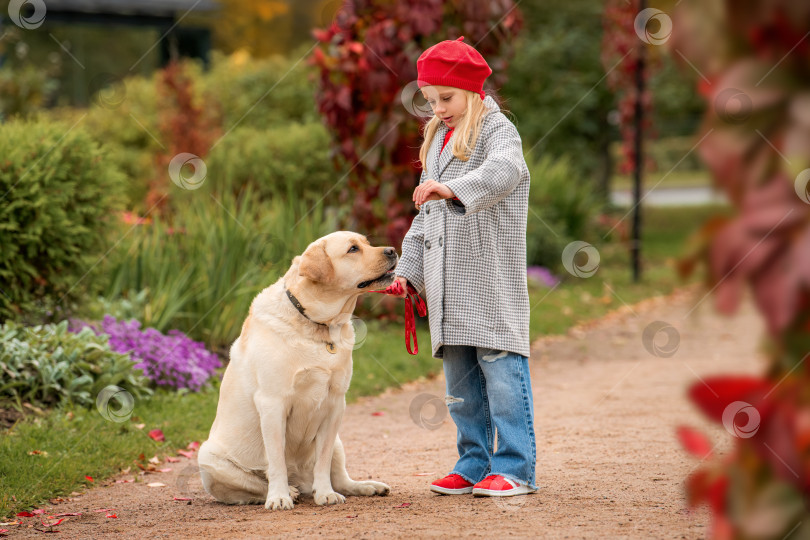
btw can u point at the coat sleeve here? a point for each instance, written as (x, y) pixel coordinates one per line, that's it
(410, 263)
(496, 177)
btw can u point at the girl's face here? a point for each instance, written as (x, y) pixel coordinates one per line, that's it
(447, 102)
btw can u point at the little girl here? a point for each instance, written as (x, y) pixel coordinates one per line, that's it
(466, 251)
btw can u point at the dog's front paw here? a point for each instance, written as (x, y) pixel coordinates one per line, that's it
(365, 488)
(329, 498)
(370, 487)
(282, 502)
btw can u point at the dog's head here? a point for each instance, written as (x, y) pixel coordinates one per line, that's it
(346, 261)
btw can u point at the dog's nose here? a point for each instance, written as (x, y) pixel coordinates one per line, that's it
(390, 252)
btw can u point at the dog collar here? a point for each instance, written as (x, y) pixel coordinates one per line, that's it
(299, 307)
(330, 347)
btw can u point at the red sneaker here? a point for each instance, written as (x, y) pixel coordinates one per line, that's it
(452, 484)
(495, 485)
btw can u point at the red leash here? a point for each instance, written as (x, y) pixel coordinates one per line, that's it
(410, 321)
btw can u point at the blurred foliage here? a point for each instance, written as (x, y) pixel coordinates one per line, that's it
(123, 117)
(26, 84)
(366, 93)
(48, 365)
(265, 27)
(625, 60)
(189, 125)
(261, 92)
(66, 65)
(554, 85)
(755, 140)
(59, 196)
(562, 208)
(242, 92)
(557, 91)
(289, 161)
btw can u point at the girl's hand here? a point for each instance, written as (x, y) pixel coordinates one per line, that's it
(404, 284)
(431, 190)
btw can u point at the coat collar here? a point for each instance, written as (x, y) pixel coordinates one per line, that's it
(441, 160)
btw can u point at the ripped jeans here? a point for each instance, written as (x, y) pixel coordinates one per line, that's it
(489, 390)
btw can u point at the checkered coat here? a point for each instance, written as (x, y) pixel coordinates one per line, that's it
(469, 258)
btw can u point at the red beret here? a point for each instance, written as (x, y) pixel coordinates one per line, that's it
(453, 63)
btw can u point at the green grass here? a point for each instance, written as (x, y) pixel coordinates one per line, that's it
(80, 442)
(664, 231)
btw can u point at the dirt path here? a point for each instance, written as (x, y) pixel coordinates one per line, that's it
(608, 462)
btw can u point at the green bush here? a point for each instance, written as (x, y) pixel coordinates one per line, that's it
(260, 101)
(58, 196)
(48, 365)
(124, 117)
(562, 208)
(261, 93)
(287, 160)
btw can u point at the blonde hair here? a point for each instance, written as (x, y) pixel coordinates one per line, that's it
(467, 130)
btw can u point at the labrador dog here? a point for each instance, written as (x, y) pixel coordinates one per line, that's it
(282, 398)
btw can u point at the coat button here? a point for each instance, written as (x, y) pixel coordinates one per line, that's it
(440, 241)
(427, 244)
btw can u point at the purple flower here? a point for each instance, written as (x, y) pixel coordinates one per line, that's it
(542, 275)
(173, 360)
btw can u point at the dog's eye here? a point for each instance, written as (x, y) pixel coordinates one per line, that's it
(353, 249)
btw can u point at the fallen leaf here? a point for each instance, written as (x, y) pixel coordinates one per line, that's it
(89, 478)
(126, 471)
(38, 453)
(193, 445)
(124, 481)
(424, 474)
(377, 413)
(112, 516)
(55, 523)
(173, 460)
(140, 426)
(157, 435)
(25, 514)
(168, 469)
(352, 517)
(186, 454)
(694, 442)
(403, 505)
(40, 511)
(105, 510)
(10, 523)
(154, 460)
(156, 484)
(68, 514)
(182, 499)
(3, 531)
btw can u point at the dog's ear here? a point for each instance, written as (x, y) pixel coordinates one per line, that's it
(316, 264)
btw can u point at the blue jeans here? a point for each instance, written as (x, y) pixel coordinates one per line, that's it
(489, 389)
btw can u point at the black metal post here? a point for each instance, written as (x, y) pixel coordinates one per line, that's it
(635, 249)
